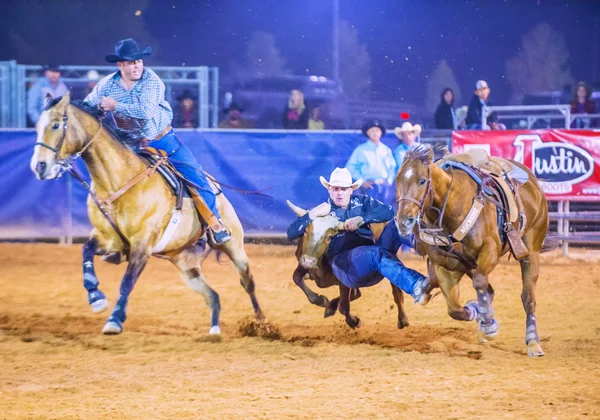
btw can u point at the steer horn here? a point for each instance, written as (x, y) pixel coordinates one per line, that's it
(298, 210)
(340, 226)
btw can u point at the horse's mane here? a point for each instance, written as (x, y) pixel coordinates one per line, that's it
(130, 138)
(421, 152)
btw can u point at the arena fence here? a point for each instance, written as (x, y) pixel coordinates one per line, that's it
(285, 163)
(15, 79)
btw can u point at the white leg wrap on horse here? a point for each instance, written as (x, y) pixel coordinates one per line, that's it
(216, 330)
(99, 306)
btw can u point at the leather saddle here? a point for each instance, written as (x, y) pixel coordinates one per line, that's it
(502, 171)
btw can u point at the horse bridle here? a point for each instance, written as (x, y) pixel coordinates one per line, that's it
(67, 163)
(420, 204)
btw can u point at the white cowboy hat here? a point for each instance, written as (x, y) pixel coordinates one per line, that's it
(340, 177)
(407, 128)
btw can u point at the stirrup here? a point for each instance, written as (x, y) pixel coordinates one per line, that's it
(219, 238)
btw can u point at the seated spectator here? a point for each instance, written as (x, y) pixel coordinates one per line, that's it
(295, 116)
(494, 123)
(445, 115)
(478, 101)
(373, 162)
(315, 122)
(187, 113)
(234, 117)
(583, 104)
(408, 135)
(51, 85)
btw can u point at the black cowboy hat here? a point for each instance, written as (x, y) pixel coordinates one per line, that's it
(128, 50)
(186, 94)
(371, 124)
(51, 67)
(234, 106)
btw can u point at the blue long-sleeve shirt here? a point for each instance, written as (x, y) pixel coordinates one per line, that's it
(36, 96)
(142, 107)
(370, 161)
(372, 211)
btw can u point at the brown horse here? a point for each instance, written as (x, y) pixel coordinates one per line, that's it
(424, 191)
(66, 131)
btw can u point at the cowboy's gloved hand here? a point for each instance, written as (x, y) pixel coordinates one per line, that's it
(322, 209)
(353, 223)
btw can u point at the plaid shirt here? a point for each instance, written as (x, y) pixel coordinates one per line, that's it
(143, 107)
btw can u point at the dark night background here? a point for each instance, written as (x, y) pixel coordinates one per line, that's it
(405, 39)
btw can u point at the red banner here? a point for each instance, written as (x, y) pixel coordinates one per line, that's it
(566, 162)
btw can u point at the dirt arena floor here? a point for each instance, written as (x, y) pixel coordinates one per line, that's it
(55, 363)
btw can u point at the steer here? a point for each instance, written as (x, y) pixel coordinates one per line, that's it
(312, 263)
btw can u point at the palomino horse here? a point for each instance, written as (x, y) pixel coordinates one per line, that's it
(424, 191)
(66, 131)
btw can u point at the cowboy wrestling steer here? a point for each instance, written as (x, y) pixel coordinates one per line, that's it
(338, 244)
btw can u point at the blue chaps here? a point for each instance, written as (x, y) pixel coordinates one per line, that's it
(365, 266)
(184, 161)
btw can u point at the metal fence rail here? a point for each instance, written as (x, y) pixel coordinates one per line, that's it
(15, 79)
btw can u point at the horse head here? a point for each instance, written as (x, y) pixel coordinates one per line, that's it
(317, 237)
(413, 188)
(54, 139)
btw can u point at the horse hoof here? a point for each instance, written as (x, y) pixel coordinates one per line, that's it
(216, 330)
(322, 301)
(329, 311)
(534, 349)
(354, 323)
(403, 323)
(99, 306)
(112, 328)
(488, 332)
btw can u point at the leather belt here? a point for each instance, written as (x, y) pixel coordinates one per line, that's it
(163, 133)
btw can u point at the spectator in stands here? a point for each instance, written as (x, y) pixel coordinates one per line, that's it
(187, 115)
(494, 123)
(583, 104)
(315, 122)
(409, 139)
(295, 116)
(373, 162)
(234, 117)
(445, 115)
(93, 77)
(51, 85)
(478, 101)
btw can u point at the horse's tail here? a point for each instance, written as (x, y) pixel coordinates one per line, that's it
(550, 243)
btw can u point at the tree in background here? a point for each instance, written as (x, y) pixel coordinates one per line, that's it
(541, 64)
(355, 63)
(441, 78)
(262, 58)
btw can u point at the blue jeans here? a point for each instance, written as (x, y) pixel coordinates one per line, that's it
(365, 266)
(184, 161)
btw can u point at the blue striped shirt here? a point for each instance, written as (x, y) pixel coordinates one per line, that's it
(143, 107)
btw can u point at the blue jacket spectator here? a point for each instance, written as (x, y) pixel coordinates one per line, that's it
(51, 85)
(409, 136)
(373, 162)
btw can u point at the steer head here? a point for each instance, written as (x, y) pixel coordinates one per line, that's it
(316, 237)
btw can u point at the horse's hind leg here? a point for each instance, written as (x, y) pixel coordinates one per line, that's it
(399, 299)
(530, 270)
(344, 307)
(189, 263)
(236, 252)
(96, 298)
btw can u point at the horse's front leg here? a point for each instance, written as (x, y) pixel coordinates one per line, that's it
(344, 307)
(313, 297)
(137, 261)
(486, 262)
(96, 298)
